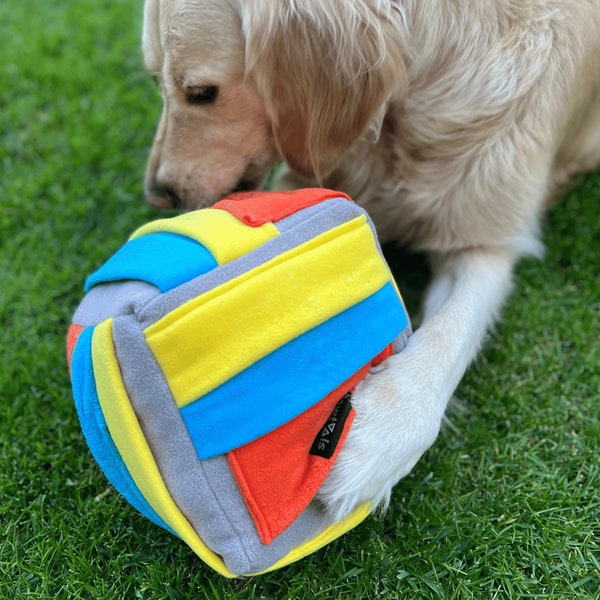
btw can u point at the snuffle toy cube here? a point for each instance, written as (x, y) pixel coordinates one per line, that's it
(213, 359)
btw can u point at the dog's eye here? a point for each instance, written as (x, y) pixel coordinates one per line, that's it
(201, 94)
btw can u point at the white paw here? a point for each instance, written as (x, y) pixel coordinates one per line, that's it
(399, 409)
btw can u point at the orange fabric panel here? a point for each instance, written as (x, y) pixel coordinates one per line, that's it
(277, 474)
(72, 337)
(258, 208)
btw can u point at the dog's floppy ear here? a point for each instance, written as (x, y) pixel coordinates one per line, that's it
(323, 68)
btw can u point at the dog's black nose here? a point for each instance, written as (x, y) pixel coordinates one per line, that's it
(163, 196)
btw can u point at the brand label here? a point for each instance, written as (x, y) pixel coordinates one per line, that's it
(327, 440)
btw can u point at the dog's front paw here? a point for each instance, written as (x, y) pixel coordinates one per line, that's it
(399, 408)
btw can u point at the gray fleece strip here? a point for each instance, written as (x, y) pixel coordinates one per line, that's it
(205, 491)
(112, 300)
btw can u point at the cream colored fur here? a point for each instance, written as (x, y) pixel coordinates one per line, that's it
(451, 121)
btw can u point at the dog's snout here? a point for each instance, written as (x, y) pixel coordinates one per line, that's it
(162, 196)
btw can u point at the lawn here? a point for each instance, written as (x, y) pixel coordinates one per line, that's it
(505, 505)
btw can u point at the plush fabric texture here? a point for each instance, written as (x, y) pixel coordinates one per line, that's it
(213, 359)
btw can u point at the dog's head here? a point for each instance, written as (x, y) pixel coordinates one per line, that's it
(247, 83)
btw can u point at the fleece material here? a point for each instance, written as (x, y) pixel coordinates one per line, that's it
(213, 359)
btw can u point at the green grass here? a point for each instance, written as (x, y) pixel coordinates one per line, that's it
(506, 504)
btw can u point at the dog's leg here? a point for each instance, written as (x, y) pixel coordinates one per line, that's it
(399, 407)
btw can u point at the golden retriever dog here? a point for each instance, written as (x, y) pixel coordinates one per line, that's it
(451, 121)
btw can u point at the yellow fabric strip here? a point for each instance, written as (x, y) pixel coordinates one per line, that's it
(211, 338)
(133, 448)
(331, 533)
(217, 230)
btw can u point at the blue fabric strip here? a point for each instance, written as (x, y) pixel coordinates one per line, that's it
(294, 377)
(165, 260)
(96, 431)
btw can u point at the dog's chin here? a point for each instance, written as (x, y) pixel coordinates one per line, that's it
(252, 179)
(246, 185)
(194, 197)
(202, 199)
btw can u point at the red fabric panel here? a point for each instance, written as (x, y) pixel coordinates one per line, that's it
(276, 474)
(72, 337)
(258, 208)
(385, 353)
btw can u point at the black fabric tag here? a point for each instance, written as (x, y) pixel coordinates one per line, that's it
(327, 439)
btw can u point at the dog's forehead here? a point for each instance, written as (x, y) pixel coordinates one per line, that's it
(200, 40)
